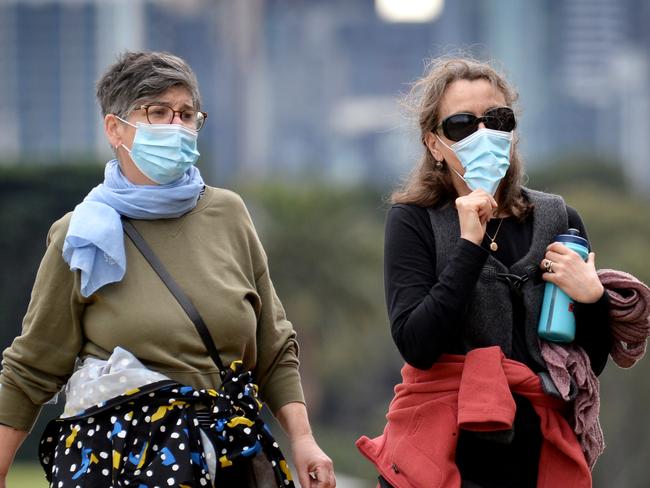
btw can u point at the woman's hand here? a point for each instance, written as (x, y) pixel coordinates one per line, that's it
(313, 467)
(474, 212)
(575, 277)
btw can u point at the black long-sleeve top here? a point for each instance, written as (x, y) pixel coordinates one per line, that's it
(424, 312)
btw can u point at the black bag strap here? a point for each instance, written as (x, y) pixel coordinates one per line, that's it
(175, 290)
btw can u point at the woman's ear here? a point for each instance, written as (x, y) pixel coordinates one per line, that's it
(113, 129)
(432, 144)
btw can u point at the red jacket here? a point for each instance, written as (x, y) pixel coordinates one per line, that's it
(472, 392)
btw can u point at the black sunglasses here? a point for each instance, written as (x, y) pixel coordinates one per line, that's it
(457, 127)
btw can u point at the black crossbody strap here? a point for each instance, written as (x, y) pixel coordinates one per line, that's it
(175, 290)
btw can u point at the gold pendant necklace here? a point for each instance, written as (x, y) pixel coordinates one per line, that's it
(493, 245)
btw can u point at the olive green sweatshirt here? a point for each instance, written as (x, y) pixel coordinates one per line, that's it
(214, 254)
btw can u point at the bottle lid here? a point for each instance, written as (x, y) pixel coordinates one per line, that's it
(573, 235)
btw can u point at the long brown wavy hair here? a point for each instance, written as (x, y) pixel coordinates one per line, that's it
(429, 184)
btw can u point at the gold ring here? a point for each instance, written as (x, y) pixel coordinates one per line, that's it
(548, 265)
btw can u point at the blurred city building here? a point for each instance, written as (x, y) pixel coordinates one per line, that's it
(311, 88)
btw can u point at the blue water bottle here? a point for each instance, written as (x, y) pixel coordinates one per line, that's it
(557, 322)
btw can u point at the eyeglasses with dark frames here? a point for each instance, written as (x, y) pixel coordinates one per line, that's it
(163, 114)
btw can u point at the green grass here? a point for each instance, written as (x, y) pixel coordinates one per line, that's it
(26, 475)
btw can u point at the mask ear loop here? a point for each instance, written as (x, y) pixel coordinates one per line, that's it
(449, 165)
(128, 123)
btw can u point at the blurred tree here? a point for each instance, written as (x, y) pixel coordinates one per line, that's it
(566, 170)
(325, 250)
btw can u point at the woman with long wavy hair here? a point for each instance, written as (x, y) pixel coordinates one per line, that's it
(468, 251)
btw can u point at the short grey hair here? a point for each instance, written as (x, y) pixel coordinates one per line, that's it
(139, 76)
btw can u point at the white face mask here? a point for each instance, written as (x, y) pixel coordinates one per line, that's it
(485, 155)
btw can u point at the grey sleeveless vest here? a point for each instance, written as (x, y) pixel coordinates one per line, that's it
(488, 317)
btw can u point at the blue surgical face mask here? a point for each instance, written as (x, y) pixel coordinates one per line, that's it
(485, 155)
(163, 152)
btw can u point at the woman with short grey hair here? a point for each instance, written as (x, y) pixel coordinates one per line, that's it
(139, 329)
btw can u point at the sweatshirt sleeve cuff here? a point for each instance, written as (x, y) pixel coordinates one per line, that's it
(283, 387)
(16, 409)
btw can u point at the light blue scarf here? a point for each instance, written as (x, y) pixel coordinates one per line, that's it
(94, 243)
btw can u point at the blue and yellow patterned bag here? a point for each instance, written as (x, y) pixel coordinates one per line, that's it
(163, 434)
